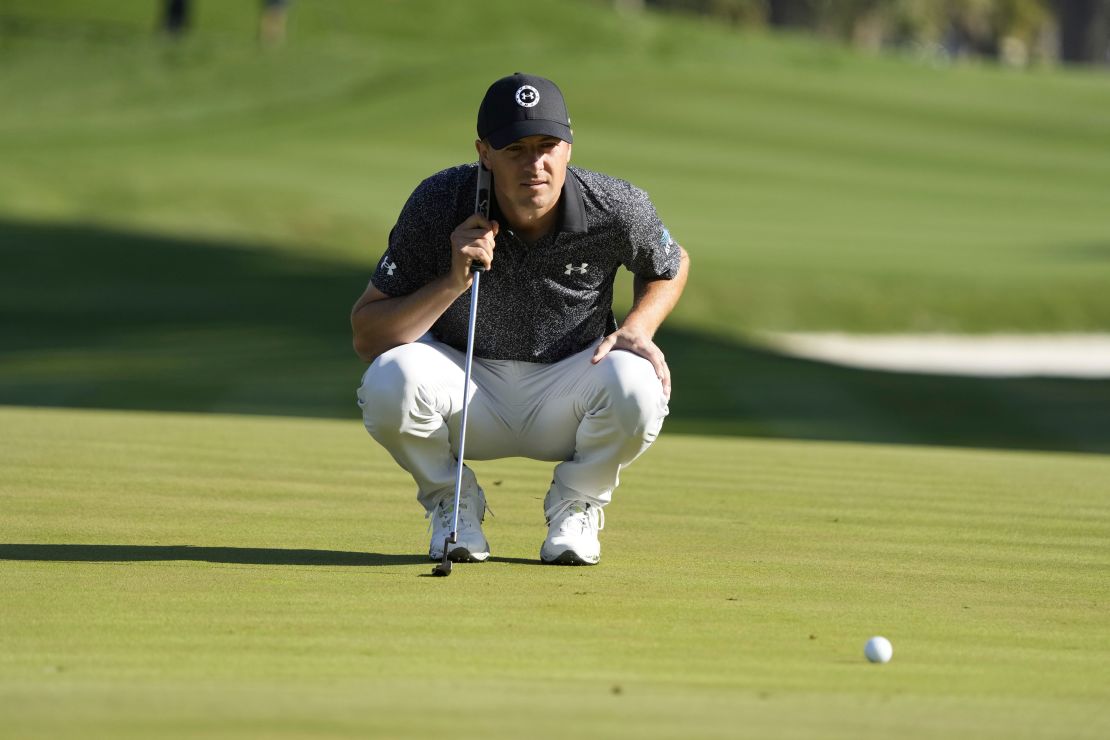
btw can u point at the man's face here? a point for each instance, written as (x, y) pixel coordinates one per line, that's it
(528, 174)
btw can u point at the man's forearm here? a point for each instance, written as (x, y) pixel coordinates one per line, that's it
(380, 325)
(654, 300)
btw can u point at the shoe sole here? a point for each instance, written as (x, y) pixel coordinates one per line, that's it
(462, 555)
(568, 557)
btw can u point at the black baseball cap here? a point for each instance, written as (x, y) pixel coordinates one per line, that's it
(522, 105)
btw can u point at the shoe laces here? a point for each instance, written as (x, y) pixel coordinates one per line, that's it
(579, 515)
(443, 513)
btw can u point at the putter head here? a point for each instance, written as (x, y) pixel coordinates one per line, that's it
(444, 567)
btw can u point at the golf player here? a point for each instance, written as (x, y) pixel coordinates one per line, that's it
(553, 377)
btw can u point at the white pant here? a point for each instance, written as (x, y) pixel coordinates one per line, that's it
(594, 419)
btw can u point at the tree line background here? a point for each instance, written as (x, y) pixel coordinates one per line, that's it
(1014, 32)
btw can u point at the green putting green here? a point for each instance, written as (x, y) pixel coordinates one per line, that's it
(184, 576)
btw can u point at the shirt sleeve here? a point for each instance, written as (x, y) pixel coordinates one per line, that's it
(653, 254)
(417, 243)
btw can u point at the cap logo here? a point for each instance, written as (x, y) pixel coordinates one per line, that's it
(527, 96)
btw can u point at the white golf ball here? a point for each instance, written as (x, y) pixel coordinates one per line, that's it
(878, 650)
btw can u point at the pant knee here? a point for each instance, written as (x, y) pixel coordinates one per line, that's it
(634, 392)
(396, 388)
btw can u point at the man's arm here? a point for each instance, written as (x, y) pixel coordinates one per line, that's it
(653, 300)
(380, 322)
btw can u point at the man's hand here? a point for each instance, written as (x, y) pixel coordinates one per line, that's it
(472, 241)
(652, 300)
(640, 344)
(380, 322)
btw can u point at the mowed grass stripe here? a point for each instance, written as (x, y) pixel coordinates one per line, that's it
(176, 574)
(346, 710)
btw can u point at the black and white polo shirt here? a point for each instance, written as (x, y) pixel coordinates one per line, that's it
(540, 302)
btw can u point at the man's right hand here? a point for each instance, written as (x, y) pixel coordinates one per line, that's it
(472, 241)
(380, 322)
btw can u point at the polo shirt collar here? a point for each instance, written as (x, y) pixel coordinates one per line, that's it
(573, 217)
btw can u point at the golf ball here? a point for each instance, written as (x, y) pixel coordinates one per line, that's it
(878, 650)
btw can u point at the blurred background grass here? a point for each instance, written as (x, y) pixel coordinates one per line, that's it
(185, 222)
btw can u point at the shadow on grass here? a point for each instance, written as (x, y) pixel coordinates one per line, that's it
(516, 561)
(492, 559)
(237, 555)
(98, 318)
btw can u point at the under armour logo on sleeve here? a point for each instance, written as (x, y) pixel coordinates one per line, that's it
(668, 242)
(581, 270)
(388, 266)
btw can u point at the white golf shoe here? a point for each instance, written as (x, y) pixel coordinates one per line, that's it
(471, 545)
(572, 528)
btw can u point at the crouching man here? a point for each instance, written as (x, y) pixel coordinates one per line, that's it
(553, 377)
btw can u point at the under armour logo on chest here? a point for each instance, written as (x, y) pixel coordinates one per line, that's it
(580, 270)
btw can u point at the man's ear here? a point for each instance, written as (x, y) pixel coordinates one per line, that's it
(570, 150)
(480, 146)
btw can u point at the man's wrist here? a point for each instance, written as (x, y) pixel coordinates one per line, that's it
(451, 285)
(636, 326)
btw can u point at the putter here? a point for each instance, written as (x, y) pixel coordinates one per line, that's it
(481, 205)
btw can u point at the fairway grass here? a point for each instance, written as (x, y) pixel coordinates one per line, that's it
(184, 225)
(171, 575)
(816, 189)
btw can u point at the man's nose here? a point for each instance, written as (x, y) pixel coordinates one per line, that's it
(535, 158)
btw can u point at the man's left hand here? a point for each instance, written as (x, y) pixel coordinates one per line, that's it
(641, 345)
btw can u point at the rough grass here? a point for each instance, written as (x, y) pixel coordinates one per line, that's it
(185, 576)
